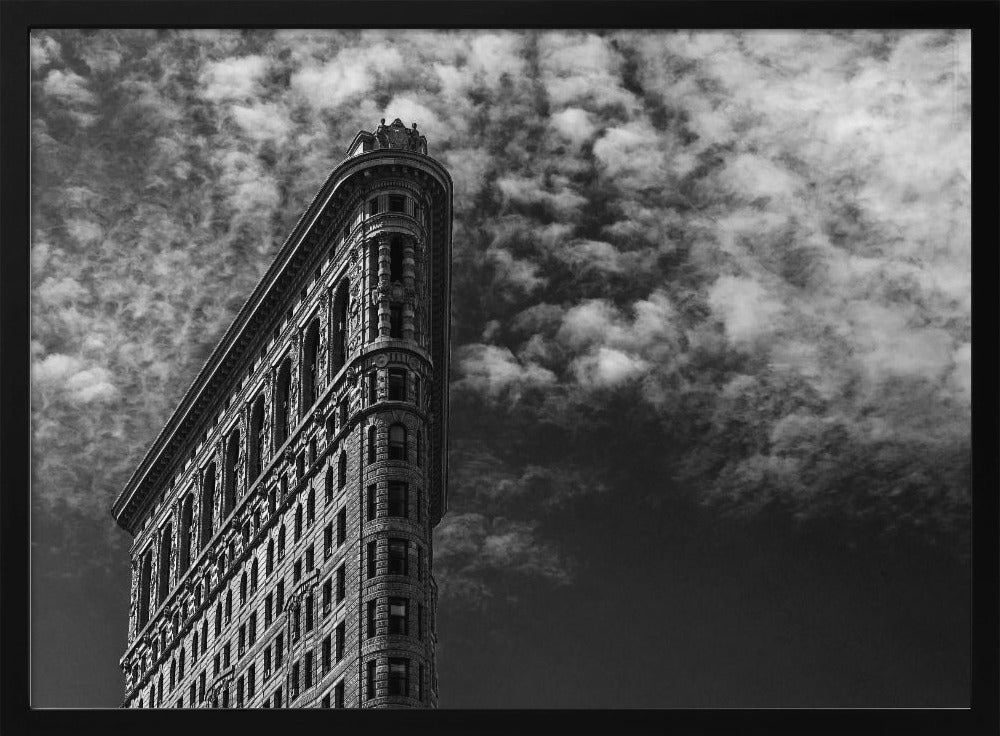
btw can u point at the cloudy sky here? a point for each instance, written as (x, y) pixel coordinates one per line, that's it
(711, 359)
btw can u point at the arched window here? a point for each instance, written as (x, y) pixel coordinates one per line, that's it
(269, 562)
(208, 505)
(343, 414)
(298, 522)
(253, 574)
(221, 567)
(243, 588)
(272, 502)
(229, 473)
(145, 575)
(281, 541)
(257, 438)
(197, 595)
(397, 442)
(281, 402)
(187, 514)
(371, 444)
(395, 260)
(339, 339)
(342, 469)
(310, 366)
(166, 541)
(418, 450)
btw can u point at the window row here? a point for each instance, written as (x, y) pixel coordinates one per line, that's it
(398, 619)
(398, 554)
(396, 501)
(397, 678)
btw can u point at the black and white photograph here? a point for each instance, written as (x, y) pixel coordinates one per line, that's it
(501, 368)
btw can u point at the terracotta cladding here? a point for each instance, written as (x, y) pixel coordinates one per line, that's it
(247, 506)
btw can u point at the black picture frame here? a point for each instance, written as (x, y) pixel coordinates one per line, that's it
(19, 17)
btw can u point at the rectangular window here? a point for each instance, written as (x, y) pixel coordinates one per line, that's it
(297, 571)
(341, 526)
(268, 606)
(191, 693)
(242, 640)
(399, 676)
(326, 652)
(280, 600)
(309, 670)
(239, 692)
(373, 315)
(341, 635)
(373, 206)
(397, 203)
(398, 499)
(251, 681)
(296, 622)
(371, 618)
(267, 662)
(309, 613)
(216, 664)
(201, 687)
(309, 558)
(395, 320)
(278, 650)
(300, 466)
(420, 562)
(416, 390)
(372, 386)
(327, 541)
(293, 684)
(370, 690)
(277, 697)
(398, 623)
(325, 703)
(399, 557)
(419, 502)
(420, 682)
(327, 596)
(341, 583)
(397, 384)
(253, 627)
(338, 695)
(371, 559)
(226, 652)
(420, 620)
(371, 501)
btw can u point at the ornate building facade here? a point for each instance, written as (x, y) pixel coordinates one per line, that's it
(282, 518)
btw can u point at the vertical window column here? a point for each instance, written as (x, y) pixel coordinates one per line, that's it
(409, 328)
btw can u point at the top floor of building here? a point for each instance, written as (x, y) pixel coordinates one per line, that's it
(366, 267)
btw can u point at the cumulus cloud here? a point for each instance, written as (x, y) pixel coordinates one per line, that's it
(236, 78)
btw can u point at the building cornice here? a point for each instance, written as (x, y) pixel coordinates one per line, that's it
(324, 217)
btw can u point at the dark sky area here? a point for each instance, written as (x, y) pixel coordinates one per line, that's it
(711, 361)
